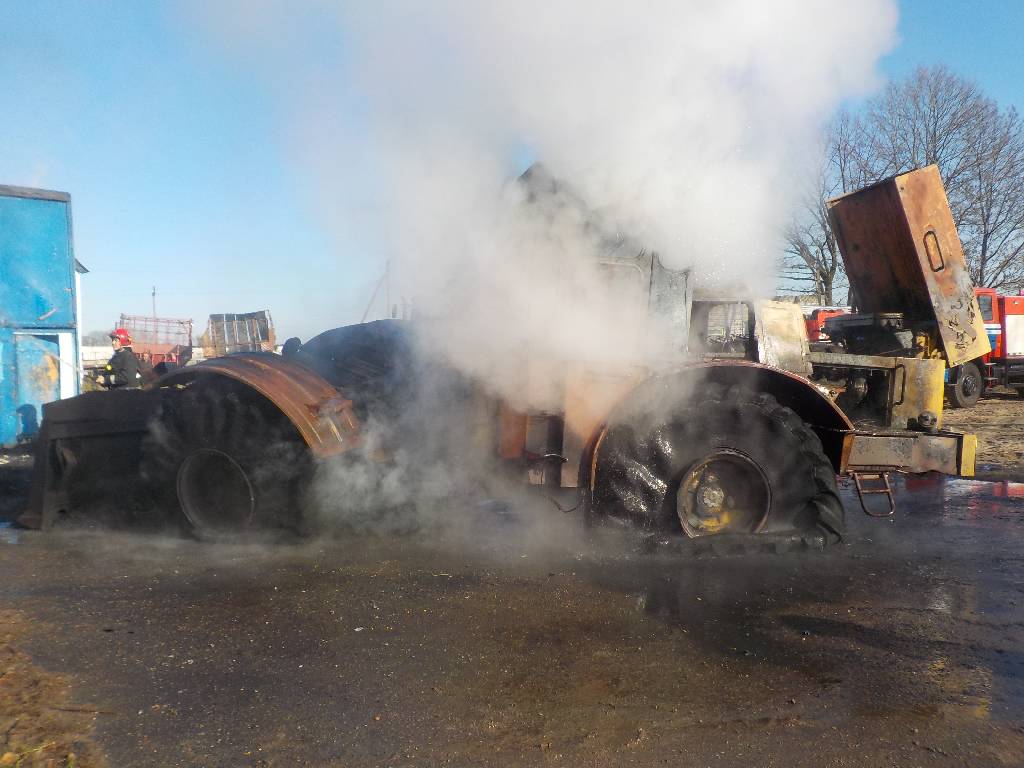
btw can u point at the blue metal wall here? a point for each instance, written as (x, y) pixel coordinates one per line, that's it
(37, 304)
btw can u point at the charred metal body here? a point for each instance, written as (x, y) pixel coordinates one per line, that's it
(230, 443)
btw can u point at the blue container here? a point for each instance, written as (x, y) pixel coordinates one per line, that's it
(38, 308)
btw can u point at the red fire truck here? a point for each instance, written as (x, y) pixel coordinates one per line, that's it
(1004, 365)
(814, 320)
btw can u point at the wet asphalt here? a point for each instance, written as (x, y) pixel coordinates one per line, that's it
(521, 640)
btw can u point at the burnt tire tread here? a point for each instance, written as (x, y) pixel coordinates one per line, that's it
(220, 415)
(718, 407)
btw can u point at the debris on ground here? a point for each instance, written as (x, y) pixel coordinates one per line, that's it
(39, 724)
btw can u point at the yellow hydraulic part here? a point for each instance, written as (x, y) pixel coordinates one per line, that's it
(916, 385)
(927, 346)
(919, 388)
(967, 455)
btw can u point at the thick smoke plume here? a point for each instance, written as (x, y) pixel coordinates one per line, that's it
(681, 123)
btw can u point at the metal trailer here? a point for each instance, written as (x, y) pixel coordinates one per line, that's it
(229, 334)
(159, 340)
(38, 308)
(721, 436)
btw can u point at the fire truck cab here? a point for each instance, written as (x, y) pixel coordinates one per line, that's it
(1004, 324)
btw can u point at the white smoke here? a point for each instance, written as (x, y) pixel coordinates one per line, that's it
(680, 122)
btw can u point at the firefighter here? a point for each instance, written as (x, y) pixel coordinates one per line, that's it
(122, 370)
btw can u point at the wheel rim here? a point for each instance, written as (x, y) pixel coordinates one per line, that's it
(214, 491)
(969, 385)
(725, 492)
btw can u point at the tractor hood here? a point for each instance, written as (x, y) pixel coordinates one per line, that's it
(903, 255)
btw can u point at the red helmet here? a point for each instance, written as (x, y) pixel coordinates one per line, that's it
(122, 335)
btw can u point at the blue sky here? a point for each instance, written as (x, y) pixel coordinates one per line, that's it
(183, 176)
(979, 39)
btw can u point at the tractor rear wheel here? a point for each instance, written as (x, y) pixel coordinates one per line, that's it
(221, 459)
(724, 461)
(966, 390)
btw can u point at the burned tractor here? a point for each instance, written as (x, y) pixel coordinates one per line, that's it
(723, 436)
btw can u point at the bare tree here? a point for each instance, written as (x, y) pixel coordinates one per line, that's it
(933, 116)
(992, 223)
(930, 117)
(812, 263)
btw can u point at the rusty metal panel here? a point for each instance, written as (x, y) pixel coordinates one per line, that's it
(848, 360)
(903, 254)
(590, 394)
(321, 413)
(782, 336)
(919, 388)
(511, 432)
(951, 453)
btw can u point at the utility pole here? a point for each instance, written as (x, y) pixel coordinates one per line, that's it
(154, 302)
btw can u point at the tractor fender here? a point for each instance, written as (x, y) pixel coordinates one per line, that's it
(813, 406)
(321, 413)
(791, 390)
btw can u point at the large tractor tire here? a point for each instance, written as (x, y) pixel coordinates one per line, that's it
(724, 461)
(221, 460)
(968, 387)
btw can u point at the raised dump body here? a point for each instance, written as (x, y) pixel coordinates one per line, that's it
(906, 266)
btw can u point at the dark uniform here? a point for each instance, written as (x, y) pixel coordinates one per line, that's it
(122, 370)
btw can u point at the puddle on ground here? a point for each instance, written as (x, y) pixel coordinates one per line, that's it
(960, 499)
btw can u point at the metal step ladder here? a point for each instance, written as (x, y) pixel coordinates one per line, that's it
(874, 483)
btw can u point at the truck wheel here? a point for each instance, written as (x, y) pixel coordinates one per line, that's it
(967, 389)
(724, 461)
(221, 459)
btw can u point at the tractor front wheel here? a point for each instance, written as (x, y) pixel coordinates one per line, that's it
(221, 459)
(724, 461)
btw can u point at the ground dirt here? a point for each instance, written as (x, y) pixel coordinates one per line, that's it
(39, 725)
(526, 641)
(998, 421)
